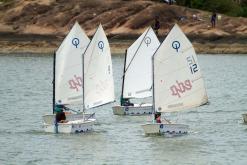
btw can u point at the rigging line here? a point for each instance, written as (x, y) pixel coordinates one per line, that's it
(69, 109)
(101, 104)
(153, 106)
(137, 50)
(90, 116)
(125, 56)
(153, 76)
(91, 55)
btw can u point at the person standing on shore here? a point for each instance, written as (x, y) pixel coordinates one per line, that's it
(213, 19)
(156, 25)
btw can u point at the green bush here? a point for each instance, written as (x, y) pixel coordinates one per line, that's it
(228, 7)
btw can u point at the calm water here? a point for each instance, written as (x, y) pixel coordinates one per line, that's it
(217, 134)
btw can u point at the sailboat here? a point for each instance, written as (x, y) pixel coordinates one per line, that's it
(67, 83)
(137, 75)
(79, 82)
(177, 82)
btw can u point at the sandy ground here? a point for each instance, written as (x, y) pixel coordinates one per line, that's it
(38, 26)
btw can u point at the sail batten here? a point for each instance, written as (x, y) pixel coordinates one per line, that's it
(138, 72)
(68, 78)
(178, 82)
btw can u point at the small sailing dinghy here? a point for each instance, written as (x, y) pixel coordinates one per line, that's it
(177, 82)
(94, 85)
(137, 75)
(67, 81)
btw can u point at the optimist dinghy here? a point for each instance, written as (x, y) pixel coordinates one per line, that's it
(92, 86)
(177, 82)
(137, 75)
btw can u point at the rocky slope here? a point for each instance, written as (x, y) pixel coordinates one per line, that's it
(49, 20)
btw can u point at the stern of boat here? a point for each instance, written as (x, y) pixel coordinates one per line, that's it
(118, 110)
(76, 126)
(166, 129)
(136, 110)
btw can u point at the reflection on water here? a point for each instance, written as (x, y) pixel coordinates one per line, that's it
(217, 134)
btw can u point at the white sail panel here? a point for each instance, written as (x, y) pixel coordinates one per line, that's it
(98, 75)
(178, 82)
(138, 67)
(68, 79)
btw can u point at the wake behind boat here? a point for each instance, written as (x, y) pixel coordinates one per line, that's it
(177, 82)
(92, 86)
(137, 75)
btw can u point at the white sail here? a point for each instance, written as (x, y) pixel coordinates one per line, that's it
(138, 67)
(98, 76)
(178, 82)
(68, 70)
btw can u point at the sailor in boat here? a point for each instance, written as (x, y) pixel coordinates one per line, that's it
(126, 102)
(158, 117)
(60, 114)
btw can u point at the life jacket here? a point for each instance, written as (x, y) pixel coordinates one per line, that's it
(58, 108)
(158, 120)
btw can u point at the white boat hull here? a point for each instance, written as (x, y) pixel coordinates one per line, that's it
(137, 109)
(164, 128)
(245, 117)
(76, 126)
(50, 119)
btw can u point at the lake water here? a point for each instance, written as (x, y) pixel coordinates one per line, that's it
(217, 134)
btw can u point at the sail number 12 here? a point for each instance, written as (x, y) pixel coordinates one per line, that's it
(192, 64)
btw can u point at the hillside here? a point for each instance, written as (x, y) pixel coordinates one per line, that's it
(41, 21)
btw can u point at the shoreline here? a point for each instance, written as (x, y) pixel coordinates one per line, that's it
(12, 43)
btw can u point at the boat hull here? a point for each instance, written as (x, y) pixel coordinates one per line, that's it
(50, 119)
(245, 117)
(164, 128)
(142, 109)
(76, 126)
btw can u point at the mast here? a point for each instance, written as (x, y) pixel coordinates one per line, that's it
(153, 88)
(125, 56)
(153, 82)
(83, 78)
(83, 95)
(53, 82)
